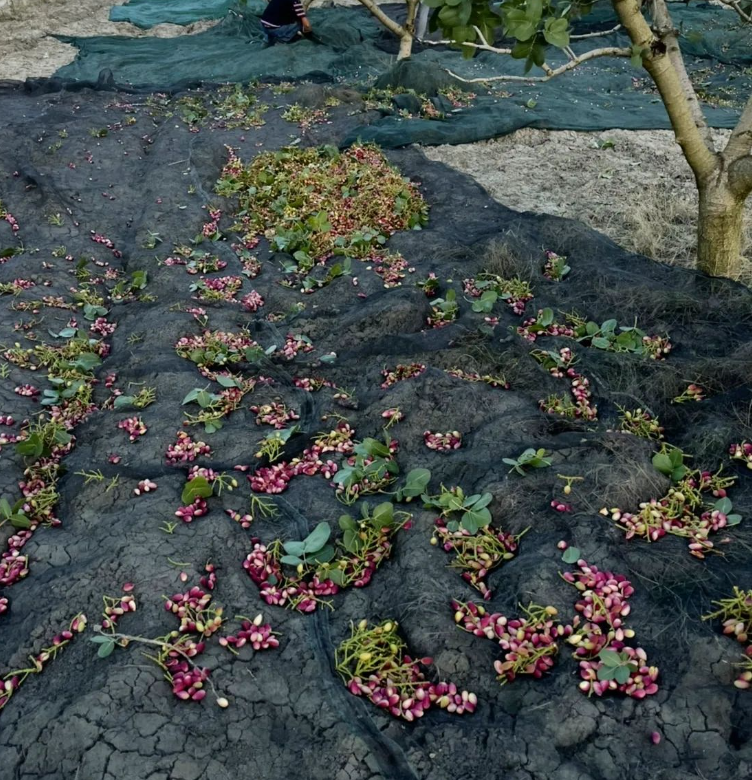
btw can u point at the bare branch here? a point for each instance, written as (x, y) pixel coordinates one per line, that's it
(481, 36)
(596, 34)
(480, 46)
(610, 51)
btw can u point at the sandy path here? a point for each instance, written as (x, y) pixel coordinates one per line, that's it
(27, 51)
(634, 186)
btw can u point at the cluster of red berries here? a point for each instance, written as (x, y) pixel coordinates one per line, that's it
(256, 633)
(478, 554)
(98, 238)
(742, 452)
(400, 373)
(600, 636)
(115, 608)
(185, 450)
(295, 343)
(252, 301)
(275, 478)
(12, 681)
(134, 427)
(275, 414)
(373, 663)
(530, 643)
(443, 442)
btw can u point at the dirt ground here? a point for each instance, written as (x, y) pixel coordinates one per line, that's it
(634, 186)
(27, 49)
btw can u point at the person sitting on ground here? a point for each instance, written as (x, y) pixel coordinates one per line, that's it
(284, 21)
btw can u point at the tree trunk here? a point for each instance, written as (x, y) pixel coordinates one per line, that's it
(406, 47)
(720, 226)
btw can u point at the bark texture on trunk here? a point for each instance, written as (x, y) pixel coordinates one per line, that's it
(406, 47)
(724, 179)
(720, 226)
(406, 41)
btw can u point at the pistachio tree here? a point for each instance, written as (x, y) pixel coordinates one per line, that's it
(405, 32)
(536, 27)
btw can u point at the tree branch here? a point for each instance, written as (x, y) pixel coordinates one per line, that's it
(596, 34)
(389, 23)
(740, 176)
(736, 6)
(663, 61)
(667, 33)
(484, 45)
(740, 142)
(610, 51)
(412, 10)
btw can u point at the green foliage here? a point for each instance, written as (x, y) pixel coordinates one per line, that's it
(670, 461)
(127, 288)
(63, 391)
(445, 309)
(615, 666)
(373, 469)
(530, 458)
(318, 202)
(467, 512)
(724, 506)
(14, 513)
(534, 25)
(354, 538)
(345, 560)
(605, 336)
(415, 485)
(571, 555)
(140, 400)
(486, 301)
(107, 645)
(608, 335)
(229, 107)
(273, 445)
(314, 549)
(202, 397)
(40, 442)
(556, 265)
(198, 487)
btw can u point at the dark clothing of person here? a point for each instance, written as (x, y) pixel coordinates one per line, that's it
(284, 34)
(280, 13)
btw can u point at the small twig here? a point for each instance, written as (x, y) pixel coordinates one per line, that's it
(609, 51)
(596, 34)
(481, 46)
(160, 644)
